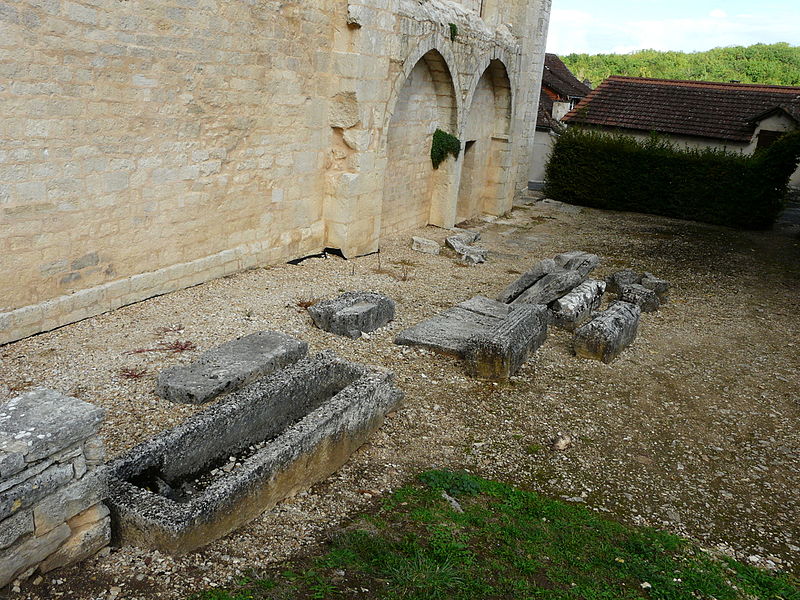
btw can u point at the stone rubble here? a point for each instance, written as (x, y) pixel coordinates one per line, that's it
(460, 243)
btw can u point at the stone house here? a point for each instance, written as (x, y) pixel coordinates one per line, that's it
(561, 92)
(148, 146)
(694, 114)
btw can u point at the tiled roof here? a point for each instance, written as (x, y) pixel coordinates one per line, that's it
(694, 108)
(559, 80)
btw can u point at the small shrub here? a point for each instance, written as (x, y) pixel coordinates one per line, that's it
(455, 483)
(618, 172)
(453, 31)
(442, 145)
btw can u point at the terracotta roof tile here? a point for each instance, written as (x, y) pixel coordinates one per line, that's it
(693, 108)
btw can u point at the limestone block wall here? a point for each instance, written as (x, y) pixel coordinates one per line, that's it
(51, 509)
(148, 146)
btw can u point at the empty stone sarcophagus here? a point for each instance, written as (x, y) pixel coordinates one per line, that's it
(228, 464)
(353, 313)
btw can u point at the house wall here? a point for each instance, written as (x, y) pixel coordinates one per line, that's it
(543, 145)
(148, 146)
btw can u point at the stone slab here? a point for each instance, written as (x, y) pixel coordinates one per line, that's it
(303, 421)
(569, 311)
(68, 502)
(17, 559)
(550, 287)
(353, 313)
(30, 491)
(41, 422)
(527, 279)
(229, 366)
(608, 333)
(450, 331)
(83, 542)
(500, 352)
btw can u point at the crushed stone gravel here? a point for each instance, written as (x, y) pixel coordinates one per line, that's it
(694, 429)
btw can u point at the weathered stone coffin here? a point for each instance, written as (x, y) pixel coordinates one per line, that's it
(229, 366)
(353, 313)
(608, 333)
(500, 352)
(569, 311)
(181, 490)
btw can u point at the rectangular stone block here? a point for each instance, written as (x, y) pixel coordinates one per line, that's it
(46, 422)
(33, 489)
(83, 542)
(500, 352)
(608, 333)
(67, 502)
(644, 298)
(353, 313)
(18, 559)
(229, 366)
(181, 489)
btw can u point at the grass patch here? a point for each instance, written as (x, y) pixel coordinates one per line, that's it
(506, 543)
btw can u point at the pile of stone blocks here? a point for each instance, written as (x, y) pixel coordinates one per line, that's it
(229, 366)
(493, 337)
(353, 313)
(51, 497)
(561, 284)
(284, 432)
(645, 290)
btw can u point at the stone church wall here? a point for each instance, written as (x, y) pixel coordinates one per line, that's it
(147, 146)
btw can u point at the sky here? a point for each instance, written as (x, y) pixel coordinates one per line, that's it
(619, 26)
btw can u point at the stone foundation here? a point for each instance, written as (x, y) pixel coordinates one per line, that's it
(51, 498)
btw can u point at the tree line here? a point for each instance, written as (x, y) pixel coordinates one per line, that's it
(776, 64)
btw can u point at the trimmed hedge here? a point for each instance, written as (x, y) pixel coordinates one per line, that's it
(618, 172)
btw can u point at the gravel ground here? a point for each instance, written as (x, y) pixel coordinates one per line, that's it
(694, 429)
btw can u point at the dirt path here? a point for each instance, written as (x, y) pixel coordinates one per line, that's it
(695, 429)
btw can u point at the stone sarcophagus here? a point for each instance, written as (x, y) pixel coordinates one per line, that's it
(229, 463)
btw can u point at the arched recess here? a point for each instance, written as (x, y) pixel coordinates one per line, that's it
(486, 171)
(412, 188)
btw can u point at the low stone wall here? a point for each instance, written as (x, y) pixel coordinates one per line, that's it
(51, 498)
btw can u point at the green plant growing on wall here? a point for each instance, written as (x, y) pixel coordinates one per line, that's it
(453, 31)
(444, 144)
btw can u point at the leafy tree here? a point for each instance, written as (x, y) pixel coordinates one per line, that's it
(776, 64)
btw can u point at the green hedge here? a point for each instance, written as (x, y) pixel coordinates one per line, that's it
(618, 172)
